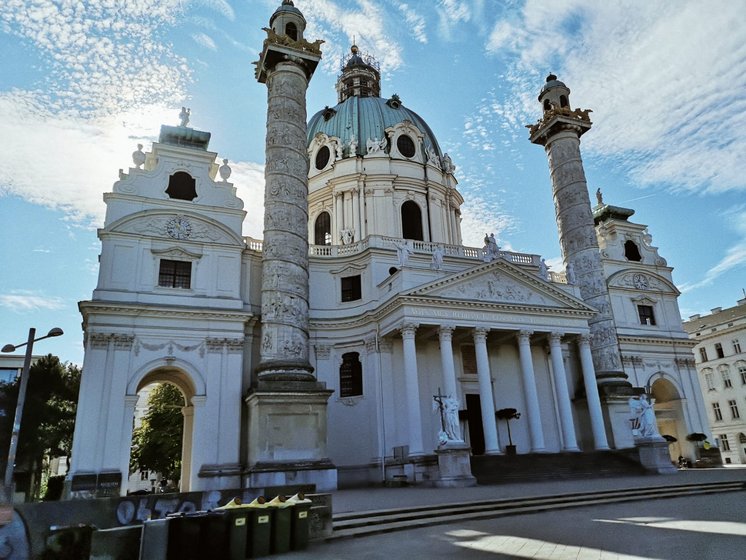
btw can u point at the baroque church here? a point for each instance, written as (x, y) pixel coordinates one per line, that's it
(313, 356)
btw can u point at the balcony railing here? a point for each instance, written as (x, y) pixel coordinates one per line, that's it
(419, 247)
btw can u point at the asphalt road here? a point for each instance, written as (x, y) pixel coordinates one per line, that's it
(696, 527)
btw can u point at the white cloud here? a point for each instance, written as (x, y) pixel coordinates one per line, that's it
(735, 256)
(22, 302)
(367, 24)
(102, 56)
(666, 80)
(415, 21)
(204, 40)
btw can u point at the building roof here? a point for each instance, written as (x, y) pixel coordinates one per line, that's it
(367, 117)
(718, 317)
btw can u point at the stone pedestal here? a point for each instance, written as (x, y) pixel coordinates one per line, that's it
(654, 456)
(617, 420)
(454, 466)
(287, 435)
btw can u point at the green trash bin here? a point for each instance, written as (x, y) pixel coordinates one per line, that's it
(185, 536)
(259, 523)
(282, 518)
(300, 527)
(71, 542)
(235, 524)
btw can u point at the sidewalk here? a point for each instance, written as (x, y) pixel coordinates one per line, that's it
(378, 498)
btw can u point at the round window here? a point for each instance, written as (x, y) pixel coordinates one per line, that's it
(405, 145)
(322, 157)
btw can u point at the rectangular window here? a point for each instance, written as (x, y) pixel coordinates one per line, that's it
(726, 378)
(351, 375)
(719, 350)
(646, 314)
(351, 290)
(144, 475)
(742, 371)
(736, 346)
(175, 274)
(734, 410)
(718, 413)
(469, 359)
(703, 354)
(724, 445)
(710, 380)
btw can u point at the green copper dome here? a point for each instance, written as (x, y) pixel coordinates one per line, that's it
(367, 117)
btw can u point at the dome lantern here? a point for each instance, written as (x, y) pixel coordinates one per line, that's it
(360, 76)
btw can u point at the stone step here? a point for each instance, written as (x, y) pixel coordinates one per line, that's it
(358, 524)
(494, 469)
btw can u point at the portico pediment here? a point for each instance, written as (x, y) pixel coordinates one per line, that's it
(499, 282)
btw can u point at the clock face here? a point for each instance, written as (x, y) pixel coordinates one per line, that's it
(179, 228)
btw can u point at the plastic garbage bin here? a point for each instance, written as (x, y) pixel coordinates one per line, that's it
(184, 536)
(259, 522)
(72, 542)
(299, 527)
(281, 523)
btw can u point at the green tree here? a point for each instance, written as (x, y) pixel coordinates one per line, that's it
(156, 443)
(48, 417)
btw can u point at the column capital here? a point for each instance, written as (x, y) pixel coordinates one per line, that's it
(555, 338)
(199, 400)
(480, 334)
(584, 339)
(408, 330)
(524, 336)
(446, 331)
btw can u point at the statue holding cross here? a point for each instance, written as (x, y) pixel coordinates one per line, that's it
(448, 409)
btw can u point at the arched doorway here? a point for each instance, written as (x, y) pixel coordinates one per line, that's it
(669, 415)
(163, 425)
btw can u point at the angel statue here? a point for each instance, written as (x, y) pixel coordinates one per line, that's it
(644, 417)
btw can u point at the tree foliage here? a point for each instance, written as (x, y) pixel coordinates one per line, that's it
(48, 413)
(156, 443)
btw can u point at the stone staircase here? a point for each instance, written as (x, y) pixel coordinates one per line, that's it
(360, 524)
(496, 469)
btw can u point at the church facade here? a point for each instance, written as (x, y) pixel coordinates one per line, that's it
(380, 309)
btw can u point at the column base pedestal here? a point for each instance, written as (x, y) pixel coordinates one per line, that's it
(654, 456)
(454, 466)
(287, 435)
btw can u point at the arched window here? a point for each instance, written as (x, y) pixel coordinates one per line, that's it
(563, 101)
(547, 105)
(411, 221)
(631, 251)
(351, 375)
(181, 186)
(291, 31)
(322, 229)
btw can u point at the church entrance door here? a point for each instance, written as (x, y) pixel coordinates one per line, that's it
(474, 422)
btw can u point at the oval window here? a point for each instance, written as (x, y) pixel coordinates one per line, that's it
(405, 145)
(322, 157)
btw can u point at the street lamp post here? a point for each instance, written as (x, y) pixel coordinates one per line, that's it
(29, 344)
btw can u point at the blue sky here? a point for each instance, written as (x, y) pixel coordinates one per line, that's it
(83, 82)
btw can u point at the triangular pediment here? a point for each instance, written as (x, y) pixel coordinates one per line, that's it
(499, 282)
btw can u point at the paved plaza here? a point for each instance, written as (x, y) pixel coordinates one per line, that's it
(698, 527)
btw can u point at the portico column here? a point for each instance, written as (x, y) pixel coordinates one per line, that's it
(491, 445)
(563, 393)
(591, 393)
(186, 448)
(338, 218)
(411, 381)
(529, 388)
(356, 213)
(446, 361)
